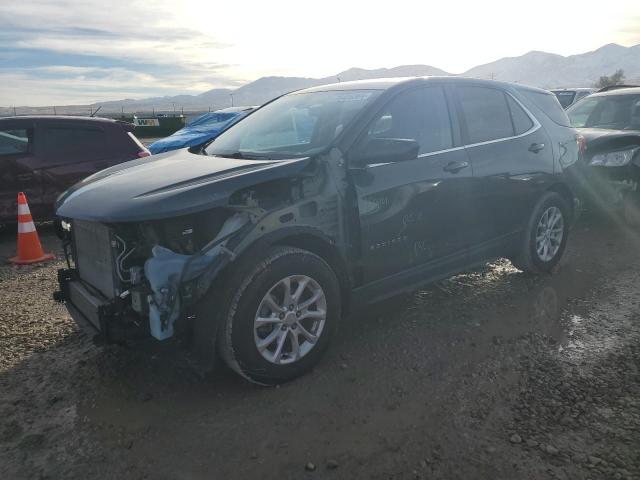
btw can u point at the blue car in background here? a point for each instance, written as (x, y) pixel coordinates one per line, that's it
(200, 130)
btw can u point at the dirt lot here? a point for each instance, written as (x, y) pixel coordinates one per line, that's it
(486, 375)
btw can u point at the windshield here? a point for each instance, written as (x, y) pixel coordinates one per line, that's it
(298, 124)
(621, 112)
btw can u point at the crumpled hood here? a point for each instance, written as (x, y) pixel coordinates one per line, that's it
(167, 185)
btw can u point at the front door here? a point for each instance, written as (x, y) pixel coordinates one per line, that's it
(415, 211)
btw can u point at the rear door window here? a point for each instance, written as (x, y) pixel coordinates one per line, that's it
(70, 140)
(420, 114)
(486, 113)
(15, 141)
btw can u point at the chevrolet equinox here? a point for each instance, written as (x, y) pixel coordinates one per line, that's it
(321, 200)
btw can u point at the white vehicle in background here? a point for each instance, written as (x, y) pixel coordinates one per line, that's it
(569, 96)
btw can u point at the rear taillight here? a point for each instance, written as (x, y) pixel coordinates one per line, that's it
(144, 153)
(582, 143)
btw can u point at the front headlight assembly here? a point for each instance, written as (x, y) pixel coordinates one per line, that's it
(618, 158)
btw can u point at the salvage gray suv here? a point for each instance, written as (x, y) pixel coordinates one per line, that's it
(321, 200)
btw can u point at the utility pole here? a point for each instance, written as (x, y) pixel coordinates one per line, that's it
(54, 110)
(14, 111)
(231, 95)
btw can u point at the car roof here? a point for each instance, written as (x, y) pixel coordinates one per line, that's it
(576, 89)
(387, 83)
(618, 91)
(54, 118)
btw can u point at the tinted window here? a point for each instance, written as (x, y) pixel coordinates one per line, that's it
(521, 121)
(66, 140)
(15, 141)
(486, 113)
(565, 97)
(420, 115)
(548, 103)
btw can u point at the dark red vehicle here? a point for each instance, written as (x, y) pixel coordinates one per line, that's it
(43, 156)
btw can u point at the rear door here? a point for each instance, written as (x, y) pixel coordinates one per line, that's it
(413, 212)
(71, 152)
(510, 154)
(17, 164)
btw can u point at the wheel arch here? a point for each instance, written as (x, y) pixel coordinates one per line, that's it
(565, 192)
(311, 239)
(326, 250)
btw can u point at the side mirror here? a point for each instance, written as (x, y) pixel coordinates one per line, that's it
(385, 150)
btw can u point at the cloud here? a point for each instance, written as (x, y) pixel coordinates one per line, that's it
(73, 52)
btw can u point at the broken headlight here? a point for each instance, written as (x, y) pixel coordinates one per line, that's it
(618, 158)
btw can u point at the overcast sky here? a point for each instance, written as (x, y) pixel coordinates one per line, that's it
(82, 51)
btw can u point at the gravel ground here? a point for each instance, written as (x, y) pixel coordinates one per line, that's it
(490, 375)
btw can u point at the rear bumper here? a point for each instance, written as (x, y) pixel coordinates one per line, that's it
(606, 186)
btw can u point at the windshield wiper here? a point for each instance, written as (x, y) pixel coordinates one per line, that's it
(243, 156)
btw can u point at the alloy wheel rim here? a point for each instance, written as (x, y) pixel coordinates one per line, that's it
(290, 319)
(549, 234)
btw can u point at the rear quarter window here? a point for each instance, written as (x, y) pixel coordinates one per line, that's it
(65, 140)
(548, 103)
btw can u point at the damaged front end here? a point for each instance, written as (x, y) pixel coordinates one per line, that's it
(132, 280)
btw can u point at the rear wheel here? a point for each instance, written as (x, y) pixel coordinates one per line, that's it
(545, 237)
(279, 315)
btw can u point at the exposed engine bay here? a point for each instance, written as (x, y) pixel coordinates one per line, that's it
(143, 278)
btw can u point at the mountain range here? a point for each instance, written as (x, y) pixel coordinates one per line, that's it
(540, 69)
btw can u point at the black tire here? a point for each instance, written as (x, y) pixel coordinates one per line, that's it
(246, 286)
(526, 257)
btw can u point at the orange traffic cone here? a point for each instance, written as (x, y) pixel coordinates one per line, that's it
(29, 247)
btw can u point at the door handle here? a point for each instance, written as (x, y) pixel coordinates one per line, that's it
(455, 167)
(536, 147)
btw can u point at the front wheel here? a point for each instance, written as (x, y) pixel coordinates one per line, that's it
(279, 315)
(545, 237)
